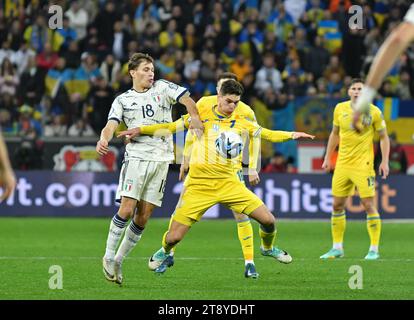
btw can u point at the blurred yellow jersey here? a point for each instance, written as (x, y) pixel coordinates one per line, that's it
(356, 150)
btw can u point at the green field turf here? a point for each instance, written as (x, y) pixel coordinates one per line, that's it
(208, 262)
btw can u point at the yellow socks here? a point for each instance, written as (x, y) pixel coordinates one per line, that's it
(374, 230)
(245, 232)
(267, 239)
(167, 247)
(338, 224)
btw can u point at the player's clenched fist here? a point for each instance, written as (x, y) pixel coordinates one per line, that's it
(102, 147)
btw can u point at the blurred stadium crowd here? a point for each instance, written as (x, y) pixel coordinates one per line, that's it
(56, 83)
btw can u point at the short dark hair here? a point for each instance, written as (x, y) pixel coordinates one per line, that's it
(355, 80)
(138, 58)
(226, 75)
(231, 87)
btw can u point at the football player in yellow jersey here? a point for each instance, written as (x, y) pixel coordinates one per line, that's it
(244, 226)
(212, 179)
(355, 167)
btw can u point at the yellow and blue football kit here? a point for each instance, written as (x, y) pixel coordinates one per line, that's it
(355, 163)
(244, 226)
(211, 178)
(355, 167)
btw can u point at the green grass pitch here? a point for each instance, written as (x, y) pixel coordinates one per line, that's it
(208, 263)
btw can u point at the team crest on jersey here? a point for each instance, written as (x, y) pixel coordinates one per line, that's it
(216, 127)
(156, 97)
(128, 185)
(367, 120)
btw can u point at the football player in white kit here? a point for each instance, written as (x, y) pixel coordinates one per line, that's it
(144, 171)
(399, 39)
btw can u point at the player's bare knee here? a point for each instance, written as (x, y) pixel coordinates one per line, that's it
(338, 207)
(125, 213)
(369, 206)
(268, 222)
(173, 237)
(240, 216)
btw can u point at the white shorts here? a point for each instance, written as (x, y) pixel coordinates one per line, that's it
(143, 180)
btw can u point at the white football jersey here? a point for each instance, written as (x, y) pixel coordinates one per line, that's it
(137, 109)
(409, 16)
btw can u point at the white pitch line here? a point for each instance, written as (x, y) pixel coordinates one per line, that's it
(194, 258)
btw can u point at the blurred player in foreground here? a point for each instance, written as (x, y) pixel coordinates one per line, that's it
(391, 49)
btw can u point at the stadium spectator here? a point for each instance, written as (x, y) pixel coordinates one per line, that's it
(241, 66)
(29, 155)
(398, 161)
(68, 34)
(278, 164)
(268, 76)
(31, 86)
(47, 58)
(56, 127)
(119, 41)
(170, 37)
(110, 70)
(141, 22)
(405, 88)
(78, 19)
(100, 99)
(22, 56)
(81, 128)
(38, 34)
(9, 79)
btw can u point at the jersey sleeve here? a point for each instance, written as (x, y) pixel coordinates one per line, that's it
(336, 117)
(275, 136)
(164, 129)
(173, 91)
(271, 135)
(409, 16)
(116, 111)
(378, 120)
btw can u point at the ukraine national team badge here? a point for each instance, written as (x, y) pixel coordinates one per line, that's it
(367, 120)
(128, 185)
(216, 127)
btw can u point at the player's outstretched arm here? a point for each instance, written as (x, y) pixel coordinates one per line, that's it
(282, 136)
(161, 129)
(7, 179)
(333, 142)
(106, 135)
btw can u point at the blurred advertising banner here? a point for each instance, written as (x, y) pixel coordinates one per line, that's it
(49, 193)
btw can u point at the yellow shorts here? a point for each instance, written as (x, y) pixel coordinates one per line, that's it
(345, 180)
(199, 195)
